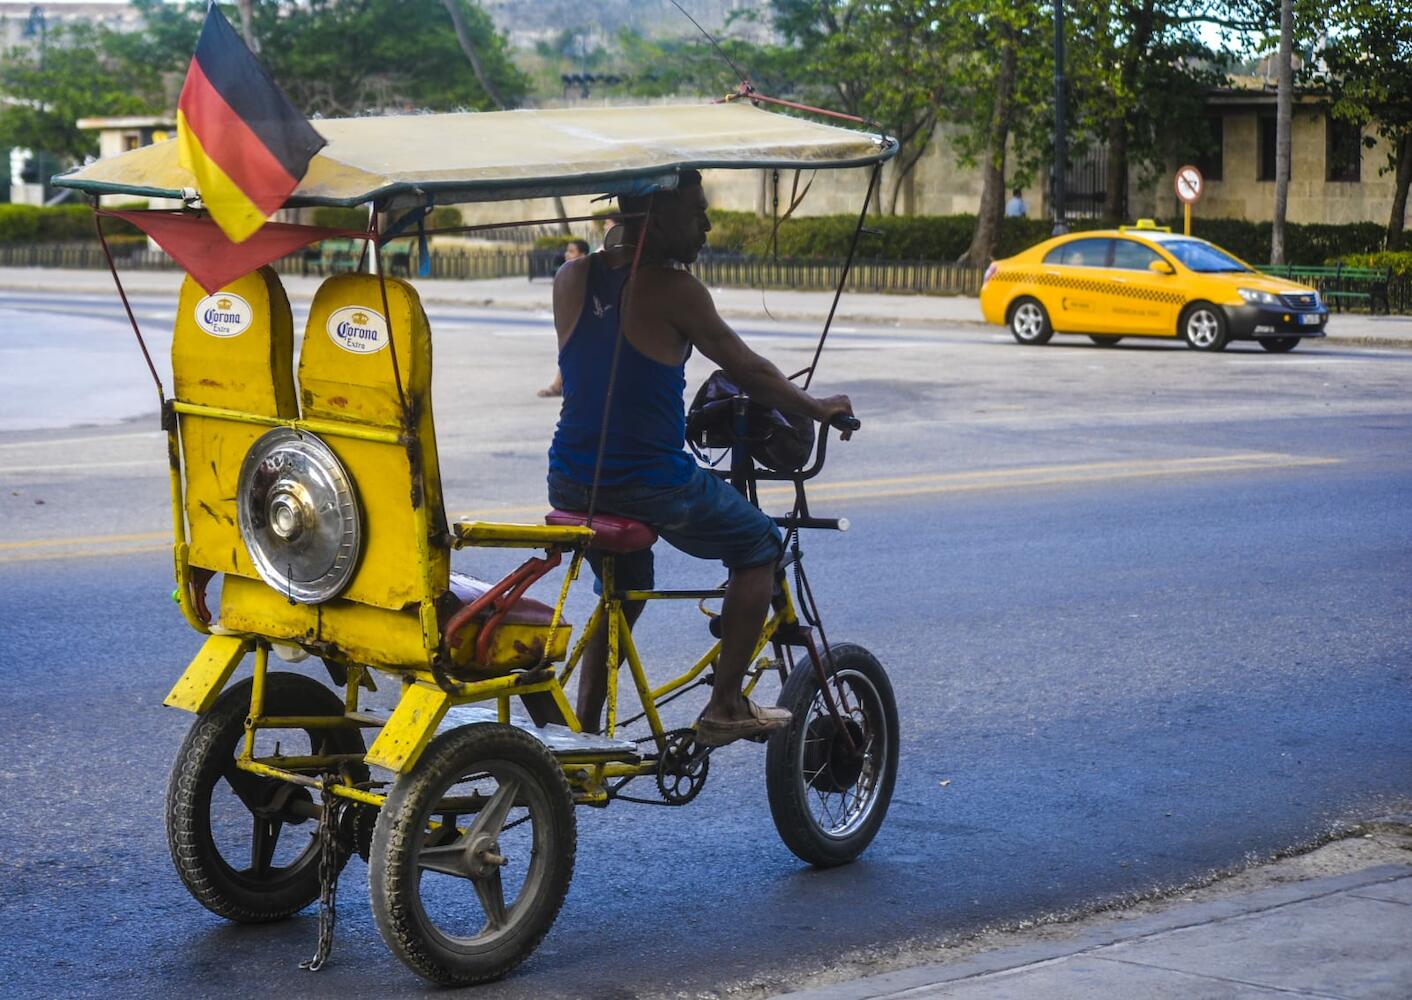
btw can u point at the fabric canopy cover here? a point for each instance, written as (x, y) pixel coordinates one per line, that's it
(408, 160)
(208, 255)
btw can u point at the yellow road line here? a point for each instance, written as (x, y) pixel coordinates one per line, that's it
(880, 488)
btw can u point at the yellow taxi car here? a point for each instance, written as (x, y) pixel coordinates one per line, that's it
(1145, 281)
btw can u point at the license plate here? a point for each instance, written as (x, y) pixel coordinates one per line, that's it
(1310, 320)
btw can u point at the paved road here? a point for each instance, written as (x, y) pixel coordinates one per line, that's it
(1146, 612)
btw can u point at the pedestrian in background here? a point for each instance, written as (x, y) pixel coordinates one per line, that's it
(573, 250)
(1016, 208)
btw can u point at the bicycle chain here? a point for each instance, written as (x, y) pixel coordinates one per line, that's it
(330, 849)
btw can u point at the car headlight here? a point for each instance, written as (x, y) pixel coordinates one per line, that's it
(1257, 296)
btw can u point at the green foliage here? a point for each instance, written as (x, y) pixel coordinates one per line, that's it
(1399, 260)
(333, 217)
(56, 224)
(946, 237)
(76, 74)
(554, 242)
(445, 217)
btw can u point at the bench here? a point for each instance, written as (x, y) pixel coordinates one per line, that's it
(1340, 283)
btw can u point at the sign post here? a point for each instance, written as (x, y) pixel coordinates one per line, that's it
(1189, 185)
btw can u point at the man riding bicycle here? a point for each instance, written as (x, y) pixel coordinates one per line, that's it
(645, 472)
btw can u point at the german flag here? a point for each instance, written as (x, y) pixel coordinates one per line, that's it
(246, 144)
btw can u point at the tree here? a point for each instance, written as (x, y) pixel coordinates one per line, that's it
(346, 57)
(1368, 72)
(1284, 117)
(74, 75)
(1140, 70)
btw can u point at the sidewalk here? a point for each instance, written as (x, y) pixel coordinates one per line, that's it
(924, 311)
(1342, 936)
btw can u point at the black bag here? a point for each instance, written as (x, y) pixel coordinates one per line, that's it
(779, 441)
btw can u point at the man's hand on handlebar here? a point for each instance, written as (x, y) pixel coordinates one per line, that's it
(837, 411)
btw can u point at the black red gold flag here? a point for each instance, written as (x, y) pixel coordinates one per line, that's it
(237, 132)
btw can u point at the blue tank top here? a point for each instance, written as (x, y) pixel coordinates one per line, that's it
(646, 441)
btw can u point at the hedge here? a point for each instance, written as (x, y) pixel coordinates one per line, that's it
(333, 217)
(1399, 260)
(55, 224)
(946, 237)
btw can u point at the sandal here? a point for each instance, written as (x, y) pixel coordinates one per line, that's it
(761, 722)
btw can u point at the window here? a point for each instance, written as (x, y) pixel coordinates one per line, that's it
(1081, 253)
(1211, 151)
(1133, 256)
(1343, 150)
(1267, 148)
(1202, 257)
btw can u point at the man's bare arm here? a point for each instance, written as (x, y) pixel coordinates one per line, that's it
(694, 314)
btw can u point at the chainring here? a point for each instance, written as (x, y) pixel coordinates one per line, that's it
(682, 768)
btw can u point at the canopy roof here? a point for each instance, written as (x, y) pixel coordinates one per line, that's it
(498, 155)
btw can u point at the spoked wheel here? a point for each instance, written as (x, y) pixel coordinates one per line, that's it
(829, 792)
(472, 854)
(247, 847)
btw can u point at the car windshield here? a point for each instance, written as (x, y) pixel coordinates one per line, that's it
(1202, 257)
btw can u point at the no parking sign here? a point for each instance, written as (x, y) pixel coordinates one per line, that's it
(1189, 185)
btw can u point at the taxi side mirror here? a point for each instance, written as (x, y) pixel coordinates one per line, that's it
(1161, 267)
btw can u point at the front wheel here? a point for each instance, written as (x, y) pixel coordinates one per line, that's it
(472, 854)
(829, 789)
(1204, 327)
(1029, 323)
(1279, 345)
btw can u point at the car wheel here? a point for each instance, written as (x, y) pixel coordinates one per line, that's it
(1204, 327)
(1102, 340)
(1279, 345)
(1029, 323)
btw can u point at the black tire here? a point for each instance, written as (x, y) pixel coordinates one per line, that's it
(811, 739)
(1279, 345)
(1203, 325)
(199, 817)
(1103, 340)
(542, 860)
(1029, 322)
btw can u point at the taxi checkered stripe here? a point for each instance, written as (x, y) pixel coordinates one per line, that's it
(1093, 285)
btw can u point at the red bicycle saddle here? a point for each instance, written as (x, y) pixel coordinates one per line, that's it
(611, 533)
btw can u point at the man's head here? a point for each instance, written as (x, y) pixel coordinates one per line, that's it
(1015, 193)
(575, 249)
(677, 226)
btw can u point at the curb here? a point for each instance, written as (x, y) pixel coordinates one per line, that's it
(1013, 959)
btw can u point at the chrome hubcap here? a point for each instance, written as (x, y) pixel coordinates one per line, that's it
(1202, 328)
(1028, 321)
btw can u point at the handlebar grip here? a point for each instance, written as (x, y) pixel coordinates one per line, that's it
(845, 422)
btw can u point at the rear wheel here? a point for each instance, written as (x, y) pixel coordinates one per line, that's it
(1103, 340)
(828, 790)
(1204, 327)
(247, 847)
(1279, 345)
(472, 854)
(1029, 323)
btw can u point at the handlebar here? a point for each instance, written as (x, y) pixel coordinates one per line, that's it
(845, 422)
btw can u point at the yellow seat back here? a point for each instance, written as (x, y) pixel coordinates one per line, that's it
(233, 350)
(346, 376)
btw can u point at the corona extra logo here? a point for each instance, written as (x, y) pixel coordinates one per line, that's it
(357, 329)
(224, 315)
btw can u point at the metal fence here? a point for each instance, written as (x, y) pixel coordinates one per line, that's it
(917, 277)
(924, 277)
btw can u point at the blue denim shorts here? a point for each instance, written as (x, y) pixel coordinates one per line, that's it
(704, 517)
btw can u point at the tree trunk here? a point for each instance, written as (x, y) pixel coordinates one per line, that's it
(992, 209)
(1284, 115)
(1116, 168)
(1398, 217)
(247, 15)
(468, 46)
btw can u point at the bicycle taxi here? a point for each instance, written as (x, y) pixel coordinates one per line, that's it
(309, 487)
